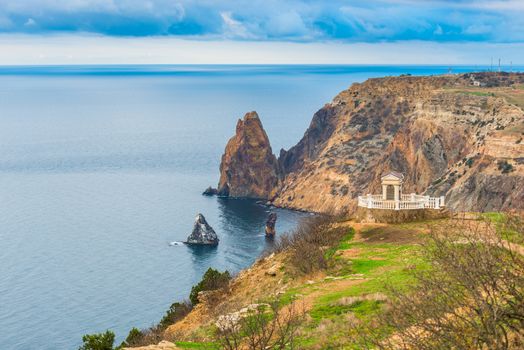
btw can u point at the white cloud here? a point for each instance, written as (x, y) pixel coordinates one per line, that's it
(90, 49)
(30, 22)
(233, 28)
(479, 29)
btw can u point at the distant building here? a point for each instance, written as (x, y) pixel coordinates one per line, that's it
(393, 198)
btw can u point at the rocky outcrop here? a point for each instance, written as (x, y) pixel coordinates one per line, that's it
(210, 191)
(270, 225)
(249, 168)
(446, 136)
(202, 233)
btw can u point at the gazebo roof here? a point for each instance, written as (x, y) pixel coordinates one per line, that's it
(394, 174)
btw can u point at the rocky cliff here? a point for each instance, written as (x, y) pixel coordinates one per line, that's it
(446, 134)
(249, 168)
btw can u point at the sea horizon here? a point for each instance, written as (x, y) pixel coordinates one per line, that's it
(104, 168)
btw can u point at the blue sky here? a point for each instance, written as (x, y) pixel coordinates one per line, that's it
(335, 23)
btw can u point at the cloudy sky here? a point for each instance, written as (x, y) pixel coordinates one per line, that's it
(261, 31)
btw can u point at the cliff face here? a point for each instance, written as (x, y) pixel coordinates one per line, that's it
(446, 135)
(248, 167)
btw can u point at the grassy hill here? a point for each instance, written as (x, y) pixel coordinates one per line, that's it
(339, 284)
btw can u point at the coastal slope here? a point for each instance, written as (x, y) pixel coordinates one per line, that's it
(454, 135)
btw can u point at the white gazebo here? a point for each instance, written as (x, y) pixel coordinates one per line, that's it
(392, 197)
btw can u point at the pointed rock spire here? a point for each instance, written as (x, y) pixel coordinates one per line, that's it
(202, 234)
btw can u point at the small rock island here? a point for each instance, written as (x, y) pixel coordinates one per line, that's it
(270, 225)
(202, 233)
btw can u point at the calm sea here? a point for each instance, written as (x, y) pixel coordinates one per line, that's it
(102, 167)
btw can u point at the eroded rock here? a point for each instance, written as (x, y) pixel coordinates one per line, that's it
(249, 169)
(202, 233)
(270, 225)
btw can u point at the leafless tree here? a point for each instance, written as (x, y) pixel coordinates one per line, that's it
(262, 327)
(470, 297)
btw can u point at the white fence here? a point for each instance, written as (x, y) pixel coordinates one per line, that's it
(406, 202)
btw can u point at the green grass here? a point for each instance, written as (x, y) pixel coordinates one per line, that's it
(344, 243)
(361, 308)
(504, 232)
(365, 266)
(381, 265)
(495, 217)
(196, 345)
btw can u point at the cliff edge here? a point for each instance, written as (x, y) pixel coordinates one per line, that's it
(454, 135)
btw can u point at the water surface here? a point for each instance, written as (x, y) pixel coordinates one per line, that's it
(102, 167)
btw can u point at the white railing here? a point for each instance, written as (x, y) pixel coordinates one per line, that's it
(406, 202)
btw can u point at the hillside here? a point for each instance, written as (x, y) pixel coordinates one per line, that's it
(353, 292)
(447, 135)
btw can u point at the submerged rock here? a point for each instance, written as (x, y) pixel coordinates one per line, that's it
(202, 234)
(270, 225)
(210, 191)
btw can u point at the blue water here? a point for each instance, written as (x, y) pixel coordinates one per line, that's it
(102, 167)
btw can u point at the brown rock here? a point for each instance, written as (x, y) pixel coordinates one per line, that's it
(270, 225)
(445, 139)
(248, 168)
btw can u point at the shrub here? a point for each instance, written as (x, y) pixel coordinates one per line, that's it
(212, 280)
(134, 338)
(309, 242)
(154, 334)
(472, 297)
(176, 312)
(100, 341)
(504, 166)
(266, 326)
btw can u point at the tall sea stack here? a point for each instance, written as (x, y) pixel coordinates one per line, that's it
(249, 169)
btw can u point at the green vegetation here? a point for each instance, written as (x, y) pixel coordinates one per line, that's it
(196, 345)
(472, 297)
(507, 226)
(212, 280)
(263, 327)
(307, 244)
(176, 312)
(379, 281)
(100, 341)
(504, 166)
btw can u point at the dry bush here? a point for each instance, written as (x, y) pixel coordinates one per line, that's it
(308, 243)
(155, 333)
(471, 297)
(264, 326)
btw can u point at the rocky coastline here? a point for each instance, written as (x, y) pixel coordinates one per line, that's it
(455, 135)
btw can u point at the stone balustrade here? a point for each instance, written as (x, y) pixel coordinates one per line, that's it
(406, 202)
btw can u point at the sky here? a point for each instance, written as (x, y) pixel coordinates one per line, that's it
(261, 31)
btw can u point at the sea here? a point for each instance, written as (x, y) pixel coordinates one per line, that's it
(102, 168)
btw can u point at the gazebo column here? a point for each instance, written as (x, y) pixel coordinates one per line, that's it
(397, 197)
(384, 191)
